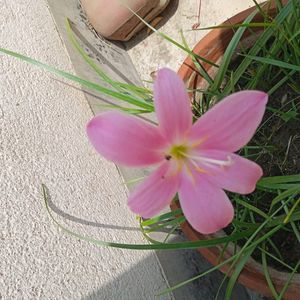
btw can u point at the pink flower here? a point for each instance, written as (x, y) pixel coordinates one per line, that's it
(195, 160)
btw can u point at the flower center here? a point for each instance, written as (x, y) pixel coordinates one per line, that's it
(186, 159)
(179, 152)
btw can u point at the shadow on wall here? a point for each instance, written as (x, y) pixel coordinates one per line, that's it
(67, 216)
(144, 33)
(81, 221)
(139, 282)
(178, 266)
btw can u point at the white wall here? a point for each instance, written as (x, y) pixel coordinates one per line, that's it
(42, 140)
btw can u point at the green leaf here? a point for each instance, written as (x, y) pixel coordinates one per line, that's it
(83, 82)
(237, 270)
(275, 181)
(169, 39)
(251, 207)
(289, 281)
(289, 215)
(173, 222)
(267, 274)
(273, 62)
(216, 267)
(118, 86)
(196, 62)
(234, 26)
(159, 218)
(292, 192)
(229, 52)
(260, 44)
(162, 246)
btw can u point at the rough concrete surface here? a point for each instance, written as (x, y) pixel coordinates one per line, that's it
(152, 52)
(42, 140)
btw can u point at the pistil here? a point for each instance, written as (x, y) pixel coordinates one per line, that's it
(217, 162)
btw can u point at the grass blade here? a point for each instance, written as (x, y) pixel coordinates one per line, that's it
(230, 50)
(83, 82)
(167, 246)
(274, 62)
(267, 274)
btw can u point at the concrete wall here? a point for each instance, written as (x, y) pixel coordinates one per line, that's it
(42, 140)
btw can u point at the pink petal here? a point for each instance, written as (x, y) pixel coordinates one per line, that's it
(172, 105)
(125, 139)
(240, 176)
(231, 123)
(155, 193)
(205, 206)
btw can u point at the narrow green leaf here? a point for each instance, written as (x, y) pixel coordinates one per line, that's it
(289, 281)
(216, 267)
(260, 44)
(237, 270)
(173, 222)
(159, 218)
(230, 50)
(273, 62)
(167, 246)
(199, 66)
(279, 179)
(292, 191)
(169, 39)
(118, 86)
(267, 274)
(287, 218)
(86, 83)
(234, 26)
(251, 207)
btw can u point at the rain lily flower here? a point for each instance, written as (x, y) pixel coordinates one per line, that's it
(195, 160)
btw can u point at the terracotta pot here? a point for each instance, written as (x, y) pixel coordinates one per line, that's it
(212, 47)
(113, 20)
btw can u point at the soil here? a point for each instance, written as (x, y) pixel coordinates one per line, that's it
(283, 133)
(280, 134)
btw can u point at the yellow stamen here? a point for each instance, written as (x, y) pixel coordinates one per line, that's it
(197, 168)
(190, 174)
(181, 157)
(198, 142)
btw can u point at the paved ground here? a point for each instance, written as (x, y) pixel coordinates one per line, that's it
(150, 53)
